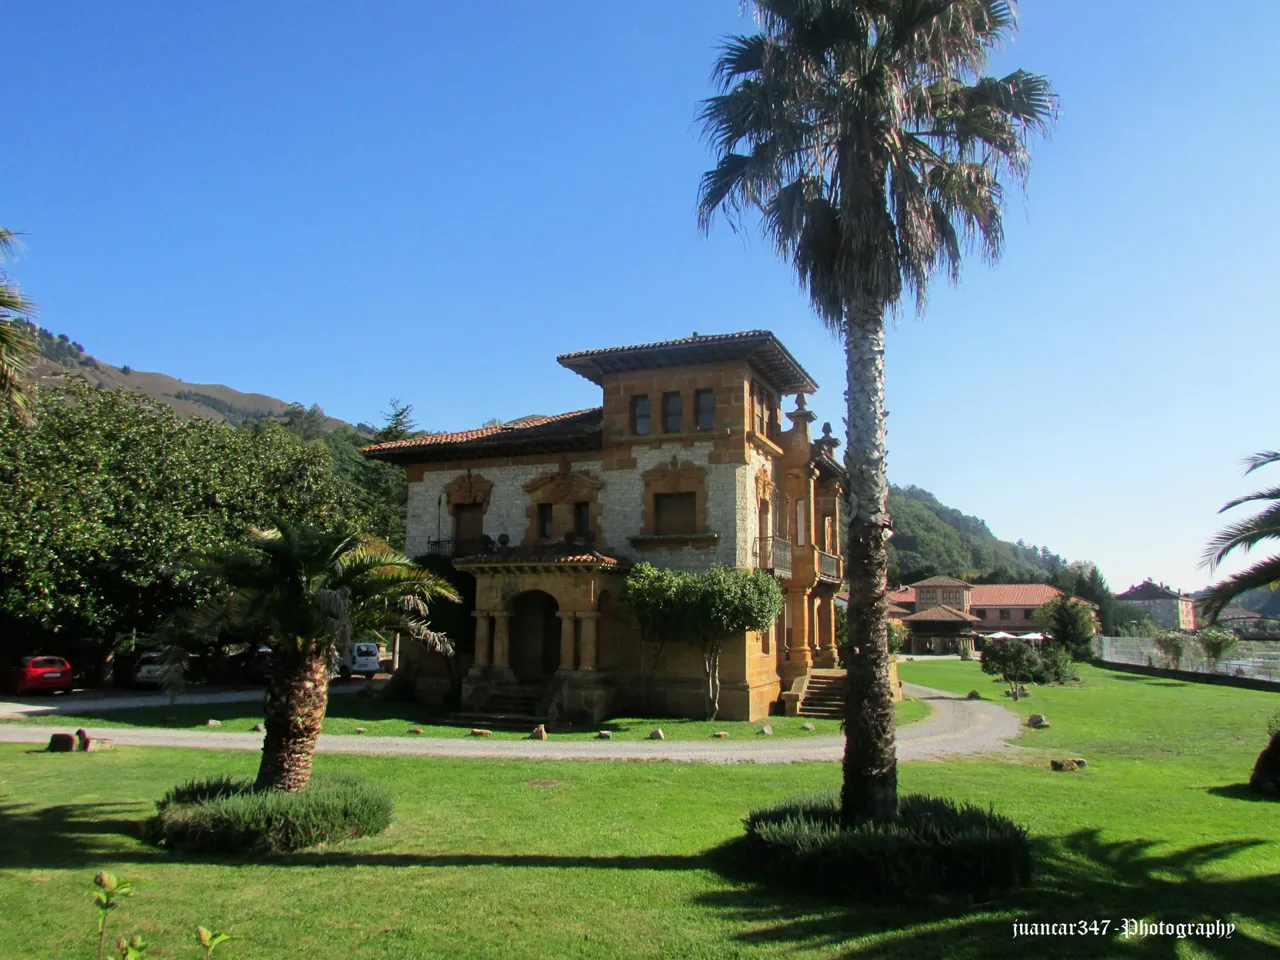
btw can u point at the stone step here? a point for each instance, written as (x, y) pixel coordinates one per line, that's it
(496, 721)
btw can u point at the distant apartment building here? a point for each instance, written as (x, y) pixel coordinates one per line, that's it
(1168, 608)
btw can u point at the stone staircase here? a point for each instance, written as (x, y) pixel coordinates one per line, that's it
(824, 696)
(516, 707)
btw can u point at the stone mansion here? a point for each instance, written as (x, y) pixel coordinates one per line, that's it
(689, 461)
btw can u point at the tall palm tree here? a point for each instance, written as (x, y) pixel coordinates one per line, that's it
(866, 136)
(17, 347)
(1243, 535)
(307, 591)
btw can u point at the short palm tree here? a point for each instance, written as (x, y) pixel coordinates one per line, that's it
(305, 592)
(17, 347)
(865, 134)
(1244, 535)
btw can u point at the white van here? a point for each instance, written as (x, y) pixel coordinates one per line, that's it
(360, 657)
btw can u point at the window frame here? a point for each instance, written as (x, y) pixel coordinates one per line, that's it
(582, 517)
(545, 521)
(668, 398)
(637, 400)
(698, 397)
(688, 496)
(1006, 613)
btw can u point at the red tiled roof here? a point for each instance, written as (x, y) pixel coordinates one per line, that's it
(897, 611)
(559, 553)
(760, 346)
(940, 613)
(940, 582)
(904, 595)
(1011, 594)
(577, 428)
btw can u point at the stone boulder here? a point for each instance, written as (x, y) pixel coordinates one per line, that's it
(973, 695)
(259, 728)
(720, 735)
(359, 729)
(1266, 772)
(1080, 762)
(213, 723)
(766, 731)
(808, 726)
(416, 731)
(539, 732)
(62, 743)
(657, 734)
(1037, 721)
(1063, 766)
(481, 733)
(604, 735)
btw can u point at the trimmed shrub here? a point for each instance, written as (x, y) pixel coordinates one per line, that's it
(1266, 771)
(1273, 725)
(1054, 666)
(936, 846)
(229, 816)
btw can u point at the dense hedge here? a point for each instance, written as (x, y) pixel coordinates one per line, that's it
(935, 847)
(229, 816)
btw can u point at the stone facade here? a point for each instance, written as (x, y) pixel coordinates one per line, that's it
(684, 465)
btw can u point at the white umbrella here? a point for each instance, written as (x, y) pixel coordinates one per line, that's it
(1031, 636)
(1001, 635)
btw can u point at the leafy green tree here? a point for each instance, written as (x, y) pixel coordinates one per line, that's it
(722, 603)
(17, 346)
(866, 135)
(1013, 661)
(1172, 647)
(309, 591)
(105, 492)
(705, 608)
(1243, 535)
(652, 596)
(1068, 623)
(1129, 620)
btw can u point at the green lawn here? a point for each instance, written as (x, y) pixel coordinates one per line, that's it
(613, 859)
(384, 718)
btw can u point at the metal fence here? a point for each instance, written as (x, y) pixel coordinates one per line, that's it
(1256, 659)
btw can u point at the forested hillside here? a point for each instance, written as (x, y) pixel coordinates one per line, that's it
(931, 538)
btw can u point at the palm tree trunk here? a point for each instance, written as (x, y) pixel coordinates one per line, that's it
(295, 706)
(870, 789)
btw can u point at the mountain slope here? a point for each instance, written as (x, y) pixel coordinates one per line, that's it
(61, 357)
(931, 538)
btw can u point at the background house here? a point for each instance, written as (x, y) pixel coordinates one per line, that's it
(1168, 608)
(944, 613)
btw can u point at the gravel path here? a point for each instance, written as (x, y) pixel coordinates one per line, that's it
(84, 701)
(955, 727)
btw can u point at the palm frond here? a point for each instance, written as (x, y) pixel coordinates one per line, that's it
(1271, 493)
(1265, 573)
(1259, 460)
(739, 56)
(1242, 535)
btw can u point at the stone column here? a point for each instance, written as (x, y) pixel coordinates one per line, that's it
(800, 651)
(566, 639)
(501, 638)
(482, 637)
(827, 656)
(589, 621)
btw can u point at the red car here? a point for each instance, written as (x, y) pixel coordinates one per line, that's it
(42, 673)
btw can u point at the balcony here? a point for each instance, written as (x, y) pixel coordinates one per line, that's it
(829, 568)
(459, 548)
(774, 554)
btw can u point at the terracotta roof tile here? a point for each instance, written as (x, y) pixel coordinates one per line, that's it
(576, 430)
(464, 436)
(940, 613)
(1011, 594)
(1149, 590)
(940, 582)
(760, 346)
(558, 553)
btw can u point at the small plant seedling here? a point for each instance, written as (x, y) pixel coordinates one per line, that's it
(105, 899)
(210, 940)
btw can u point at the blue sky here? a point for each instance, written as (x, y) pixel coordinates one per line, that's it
(338, 203)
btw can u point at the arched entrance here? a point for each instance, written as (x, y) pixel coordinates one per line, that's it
(535, 637)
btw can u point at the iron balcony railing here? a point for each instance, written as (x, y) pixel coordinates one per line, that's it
(774, 554)
(459, 548)
(828, 567)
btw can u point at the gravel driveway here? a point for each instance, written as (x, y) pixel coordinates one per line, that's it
(955, 727)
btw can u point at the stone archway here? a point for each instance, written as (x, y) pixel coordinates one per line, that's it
(535, 633)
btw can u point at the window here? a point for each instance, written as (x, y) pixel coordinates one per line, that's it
(672, 412)
(1004, 614)
(930, 596)
(640, 416)
(1028, 614)
(544, 521)
(468, 523)
(800, 524)
(675, 513)
(704, 407)
(759, 407)
(980, 614)
(581, 518)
